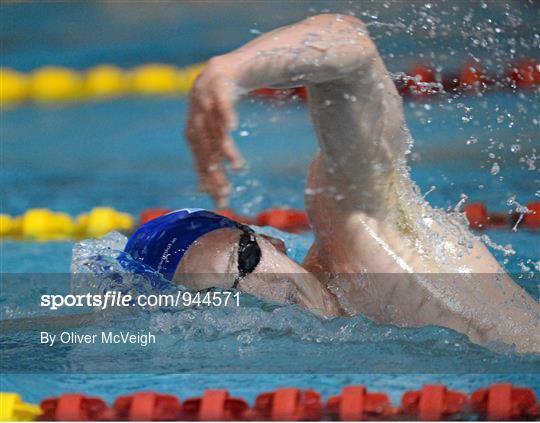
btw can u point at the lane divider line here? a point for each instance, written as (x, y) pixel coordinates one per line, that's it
(501, 401)
(56, 84)
(44, 225)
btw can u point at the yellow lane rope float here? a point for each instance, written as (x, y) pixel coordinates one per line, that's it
(13, 409)
(53, 84)
(46, 225)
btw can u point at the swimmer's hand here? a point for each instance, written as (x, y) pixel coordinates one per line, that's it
(320, 48)
(211, 118)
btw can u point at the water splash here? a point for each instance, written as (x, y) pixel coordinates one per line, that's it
(520, 209)
(258, 326)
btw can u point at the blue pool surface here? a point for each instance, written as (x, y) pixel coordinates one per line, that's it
(130, 154)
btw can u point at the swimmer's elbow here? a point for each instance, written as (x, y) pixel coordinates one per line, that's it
(344, 42)
(326, 19)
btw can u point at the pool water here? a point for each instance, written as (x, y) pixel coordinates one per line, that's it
(140, 161)
(129, 154)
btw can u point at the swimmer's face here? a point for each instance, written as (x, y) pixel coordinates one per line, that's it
(212, 261)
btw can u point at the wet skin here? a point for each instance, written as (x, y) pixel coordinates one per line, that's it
(397, 259)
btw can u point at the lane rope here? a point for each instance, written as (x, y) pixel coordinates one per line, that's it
(501, 401)
(43, 225)
(61, 85)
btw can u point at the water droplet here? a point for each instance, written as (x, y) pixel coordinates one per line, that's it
(495, 169)
(244, 133)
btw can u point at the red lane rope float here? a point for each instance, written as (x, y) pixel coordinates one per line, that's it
(237, 217)
(72, 407)
(479, 217)
(151, 214)
(473, 77)
(505, 402)
(525, 74)
(145, 406)
(288, 220)
(214, 405)
(417, 81)
(287, 404)
(356, 403)
(532, 220)
(433, 402)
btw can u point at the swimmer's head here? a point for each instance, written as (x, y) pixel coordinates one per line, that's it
(162, 243)
(201, 249)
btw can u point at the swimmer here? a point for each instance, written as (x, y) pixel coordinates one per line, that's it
(380, 249)
(201, 249)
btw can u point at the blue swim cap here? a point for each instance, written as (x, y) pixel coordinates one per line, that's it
(162, 242)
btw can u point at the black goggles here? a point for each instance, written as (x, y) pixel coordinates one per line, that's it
(249, 253)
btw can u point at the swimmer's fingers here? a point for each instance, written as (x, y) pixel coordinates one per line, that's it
(199, 139)
(223, 126)
(216, 183)
(231, 153)
(207, 155)
(211, 118)
(225, 106)
(225, 121)
(213, 179)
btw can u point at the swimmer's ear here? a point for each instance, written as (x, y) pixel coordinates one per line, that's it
(279, 244)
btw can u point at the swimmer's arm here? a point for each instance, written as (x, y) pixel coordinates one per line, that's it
(319, 49)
